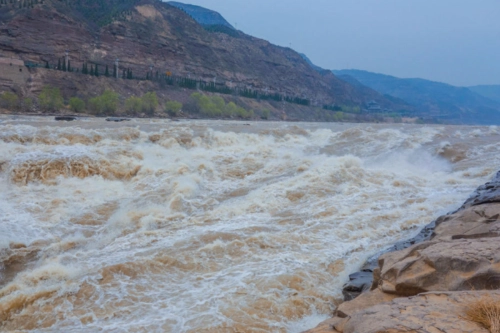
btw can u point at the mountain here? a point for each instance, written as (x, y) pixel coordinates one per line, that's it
(148, 37)
(489, 91)
(432, 99)
(203, 16)
(310, 63)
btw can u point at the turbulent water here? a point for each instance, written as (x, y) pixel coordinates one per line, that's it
(158, 226)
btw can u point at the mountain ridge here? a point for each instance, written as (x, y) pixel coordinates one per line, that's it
(152, 36)
(489, 91)
(433, 99)
(202, 15)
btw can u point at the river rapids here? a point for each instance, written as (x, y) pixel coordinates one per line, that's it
(212, 226)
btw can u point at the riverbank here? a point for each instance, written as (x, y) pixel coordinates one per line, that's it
(431, 282)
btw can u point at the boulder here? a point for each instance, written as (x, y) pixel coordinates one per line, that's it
(360, 282)
(328, 326)
(366, 300)
(487, 193)
(473, 222)
(460, 264)
(426, 313)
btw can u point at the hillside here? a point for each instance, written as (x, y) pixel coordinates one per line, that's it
(310, 63)
(153, 39)
(432, 99)
(203, 16)
(489, 91)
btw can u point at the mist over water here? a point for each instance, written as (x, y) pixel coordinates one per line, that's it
(158, 226)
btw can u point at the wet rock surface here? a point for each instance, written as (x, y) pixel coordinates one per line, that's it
(461, 264)
(487, 193)
(362, 281)
(426, 284)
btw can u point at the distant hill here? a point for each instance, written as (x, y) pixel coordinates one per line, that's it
(316, 68)
(432, 99)
(203, 16)
(162, 48)
(492, 92)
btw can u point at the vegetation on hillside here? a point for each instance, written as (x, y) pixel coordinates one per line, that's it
(50, 99)
(173, 108)
(9, 100)
(216, 107)
(147, 103)
(101, 12)
(109, 103)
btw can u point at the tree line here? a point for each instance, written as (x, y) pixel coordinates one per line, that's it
(50, 99)
(108, 103)
(172, 80)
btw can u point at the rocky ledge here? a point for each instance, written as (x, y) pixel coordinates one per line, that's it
(432, 282)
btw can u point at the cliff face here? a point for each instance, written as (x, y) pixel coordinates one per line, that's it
(144, 33)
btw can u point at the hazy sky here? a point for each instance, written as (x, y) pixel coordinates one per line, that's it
(453, 41)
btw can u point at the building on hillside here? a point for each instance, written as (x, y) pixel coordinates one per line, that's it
(13, 72)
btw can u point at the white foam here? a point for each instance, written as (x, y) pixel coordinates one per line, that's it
(227, 224)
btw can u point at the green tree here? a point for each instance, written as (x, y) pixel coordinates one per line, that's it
(196, 96)
(241, 113)
(338, 116)
(173, 108)
(9, 100)
(134, 104)
(107, 103)
(266, 113)
(230, 109)
(208, 108)
(219, 102)
(76, 104)
(96, 71)
(50, 98)
(47, 64)
(27, 104)
(106, 72)
(149, 102)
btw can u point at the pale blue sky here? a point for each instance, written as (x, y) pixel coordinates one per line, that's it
(453, 41)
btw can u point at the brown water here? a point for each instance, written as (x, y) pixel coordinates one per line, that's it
(158, 226)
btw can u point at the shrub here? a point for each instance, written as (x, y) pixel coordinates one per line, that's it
(196, 96)
(149, 102)
(50, 98)
(485, 311)
(106, 103)
(266, 113)
(76, 104)
(9, 100)
(173, 108)
(27, 104)
(134, 104)
(230, 109)
(216, 107)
